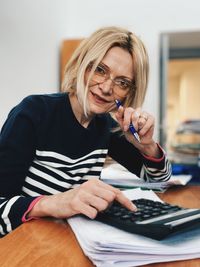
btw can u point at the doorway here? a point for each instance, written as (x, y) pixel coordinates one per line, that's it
(180, 96)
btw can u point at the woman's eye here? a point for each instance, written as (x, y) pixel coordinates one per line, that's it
(123, 84)
(100, 70)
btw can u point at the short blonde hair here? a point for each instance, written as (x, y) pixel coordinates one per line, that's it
(93, 49)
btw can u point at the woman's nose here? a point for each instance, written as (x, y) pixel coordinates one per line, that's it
(107, 86)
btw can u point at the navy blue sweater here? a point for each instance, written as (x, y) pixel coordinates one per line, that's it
(44, 150)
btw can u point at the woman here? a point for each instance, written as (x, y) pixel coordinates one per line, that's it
(52, 143)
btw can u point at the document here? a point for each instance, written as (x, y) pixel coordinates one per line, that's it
(107, 246)
(118, 176)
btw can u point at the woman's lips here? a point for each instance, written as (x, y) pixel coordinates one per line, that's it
(99, 99)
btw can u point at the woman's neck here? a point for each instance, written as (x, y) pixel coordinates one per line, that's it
(78, 111)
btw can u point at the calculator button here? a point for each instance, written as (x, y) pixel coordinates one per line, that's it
(117, 214)
(125, 217)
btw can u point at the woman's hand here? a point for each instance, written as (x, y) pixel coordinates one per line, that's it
(88, 199)
(144, 124)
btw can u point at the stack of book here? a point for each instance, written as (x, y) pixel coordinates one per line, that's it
(185, 150)
(185, 146)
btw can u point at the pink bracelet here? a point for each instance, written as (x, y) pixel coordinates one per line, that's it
(155, 159)
(24, 219)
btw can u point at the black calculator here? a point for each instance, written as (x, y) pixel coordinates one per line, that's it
(153, 219)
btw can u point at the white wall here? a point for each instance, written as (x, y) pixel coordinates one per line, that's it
(31, 33)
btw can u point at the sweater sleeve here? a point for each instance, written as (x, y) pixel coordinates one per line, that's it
(11, 212)
(17, 148)
(148, 168)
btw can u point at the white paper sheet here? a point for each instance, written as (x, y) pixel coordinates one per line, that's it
(117, 175)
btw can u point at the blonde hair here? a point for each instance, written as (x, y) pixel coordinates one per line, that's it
(93, 49)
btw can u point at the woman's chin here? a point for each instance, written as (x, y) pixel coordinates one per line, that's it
(94, 109)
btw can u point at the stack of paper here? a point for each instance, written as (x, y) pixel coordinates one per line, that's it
(107, 246)
(118, 176)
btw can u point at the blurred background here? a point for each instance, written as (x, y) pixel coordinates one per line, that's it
(32, 34)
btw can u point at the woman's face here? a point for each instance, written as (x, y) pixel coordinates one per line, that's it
(112, 80)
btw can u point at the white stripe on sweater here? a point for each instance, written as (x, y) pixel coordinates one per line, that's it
(60, 165)
(1, 230)
(67, 159)
(3, 203)
(41, 186)
(48, 177)
(6, 212)
(30, 192)
(59, 172)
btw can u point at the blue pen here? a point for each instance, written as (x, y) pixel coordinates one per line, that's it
(131, 127)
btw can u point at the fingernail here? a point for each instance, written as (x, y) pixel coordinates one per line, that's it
(134, 208)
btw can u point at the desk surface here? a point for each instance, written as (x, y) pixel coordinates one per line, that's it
(50, 243)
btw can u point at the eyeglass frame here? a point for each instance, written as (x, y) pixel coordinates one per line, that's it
(107, 76)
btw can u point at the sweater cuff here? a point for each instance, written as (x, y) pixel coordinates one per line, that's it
(24, 219)
(156, 159)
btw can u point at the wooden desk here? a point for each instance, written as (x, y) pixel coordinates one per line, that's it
(50, 243)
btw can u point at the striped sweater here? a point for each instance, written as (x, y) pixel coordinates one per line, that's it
(44, 150)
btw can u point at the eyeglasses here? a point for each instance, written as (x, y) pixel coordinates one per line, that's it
(102, 74)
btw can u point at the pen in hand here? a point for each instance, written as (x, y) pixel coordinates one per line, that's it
(131, 127)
